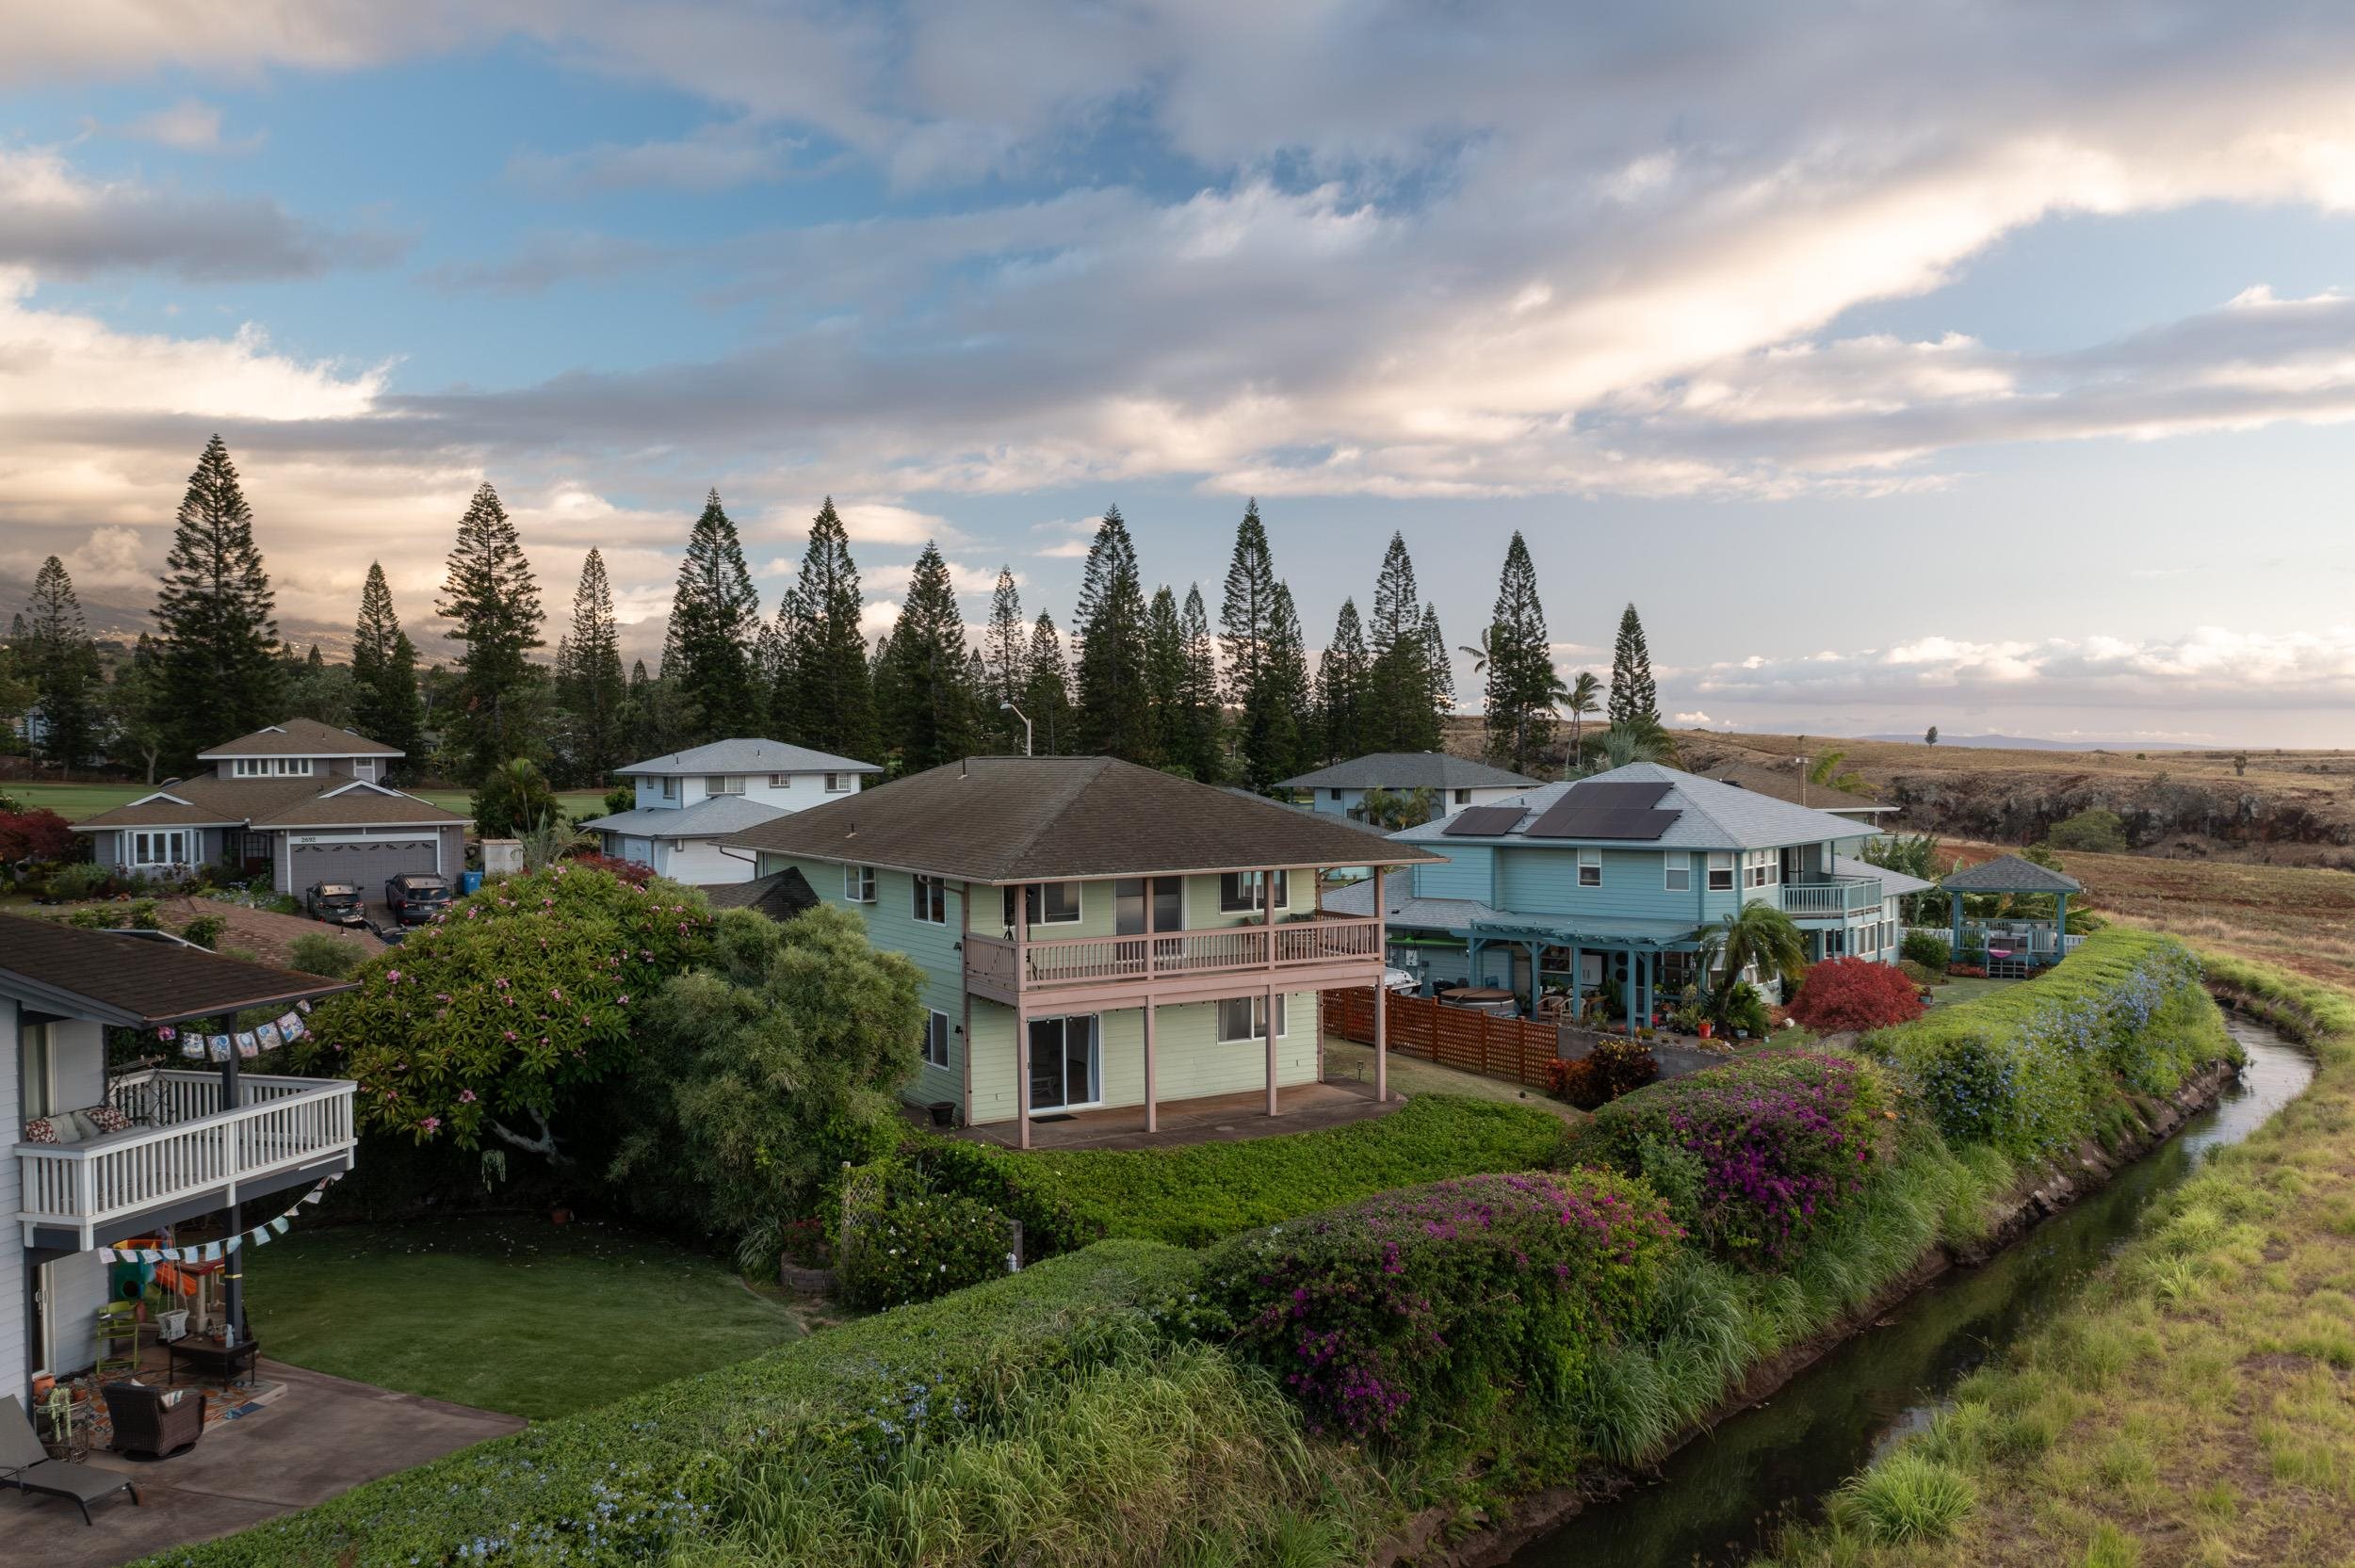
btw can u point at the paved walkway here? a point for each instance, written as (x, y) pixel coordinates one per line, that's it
(1215, 1119)
(323, 1437)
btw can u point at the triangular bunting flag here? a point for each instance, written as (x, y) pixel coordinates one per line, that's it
(259, 1237)
(315, 1195)
(280, 1223)
(106, 1254)
(228, 1248)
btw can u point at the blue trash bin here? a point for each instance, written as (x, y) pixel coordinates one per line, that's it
(468, 881)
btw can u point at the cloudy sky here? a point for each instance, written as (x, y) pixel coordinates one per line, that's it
(1981, 365)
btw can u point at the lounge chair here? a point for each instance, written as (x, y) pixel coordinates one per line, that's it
(27, 1466)
(153, 1421)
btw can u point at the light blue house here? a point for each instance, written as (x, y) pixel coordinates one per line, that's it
(1569, 885)
(1454, 783)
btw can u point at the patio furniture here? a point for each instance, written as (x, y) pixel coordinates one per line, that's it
(154, 1422)
(25, 1465)
(211, 1358)
(118, 1339)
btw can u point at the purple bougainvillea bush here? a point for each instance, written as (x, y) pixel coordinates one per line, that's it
(1434, 1302)
(1751, 1157)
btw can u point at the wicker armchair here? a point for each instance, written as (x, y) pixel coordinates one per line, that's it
(144, 1424)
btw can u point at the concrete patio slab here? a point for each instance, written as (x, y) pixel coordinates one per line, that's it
(325, 1436)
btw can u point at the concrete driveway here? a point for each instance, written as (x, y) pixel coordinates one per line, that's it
(324, 1436)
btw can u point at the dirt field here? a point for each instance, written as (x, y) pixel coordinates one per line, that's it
(263, 932)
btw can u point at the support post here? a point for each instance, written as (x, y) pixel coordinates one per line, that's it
(1578, 980)
(1271, 1046)
(1632, 984)
(1022, 1077)
(1152, 1110)
(233, 1272)
(1381, 992)
(1954, 907)
(2060, 926)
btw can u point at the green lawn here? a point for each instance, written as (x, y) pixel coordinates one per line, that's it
(74, 802)
(510, 1314)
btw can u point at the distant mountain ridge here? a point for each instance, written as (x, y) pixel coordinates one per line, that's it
(2033, 743)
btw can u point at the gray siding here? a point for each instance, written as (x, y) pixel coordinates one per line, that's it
(15, 1360)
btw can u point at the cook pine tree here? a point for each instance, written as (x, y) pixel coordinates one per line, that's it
(927, 671)
(385, 702)
(1345, 696)
(215, 619)
(592, 692)
(1112, 710)
(1200, 748)
(1005, 662)
(1267, 732)
(65, 669)
(708, 651)
(1047, 690)
(1289, 690)
(492, 604)
(1520, 679)
(1635, 700)
(1399, 715)
(829, 690)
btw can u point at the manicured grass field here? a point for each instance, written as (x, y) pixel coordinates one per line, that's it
(74, 801)
(507, 1314)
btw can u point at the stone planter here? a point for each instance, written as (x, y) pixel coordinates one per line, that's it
(805, 1281)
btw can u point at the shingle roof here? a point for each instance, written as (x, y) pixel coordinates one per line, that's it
(1019, 819)
(713, 817)
(209, 800)
(1405, 910)
(780, 894)
(1410, 771)
(749, 756)
(1710, 815)
(1893, 882)
(300, 737)
(132, 981)
(2011, 874)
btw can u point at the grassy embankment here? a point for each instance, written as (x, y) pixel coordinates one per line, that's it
(2198, 1406)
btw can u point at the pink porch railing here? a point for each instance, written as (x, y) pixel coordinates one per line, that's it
(1096, 960)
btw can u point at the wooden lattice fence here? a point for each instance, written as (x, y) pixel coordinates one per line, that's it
(1463, 1038)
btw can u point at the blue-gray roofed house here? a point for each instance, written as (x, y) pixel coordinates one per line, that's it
(689, 801)
(1453, 782)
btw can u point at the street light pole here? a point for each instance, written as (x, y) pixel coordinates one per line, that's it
(1009, 707)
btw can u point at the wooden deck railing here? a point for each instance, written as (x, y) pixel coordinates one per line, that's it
(1095, 959)
(195, 1148)
(1466, 1039)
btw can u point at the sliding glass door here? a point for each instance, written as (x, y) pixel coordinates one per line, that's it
(1065, 1063)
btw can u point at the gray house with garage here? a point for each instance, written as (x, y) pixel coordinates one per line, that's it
(301, 801)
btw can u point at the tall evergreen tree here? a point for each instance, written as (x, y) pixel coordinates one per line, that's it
(1286, 689)
(1635, 700)
(136, 736)
(925, 673)
(1005, 659)
(1346, 714)
(715, 617)
(592, 692)
(1047, 692)
(214, 616)
(1165, 678)
(1203, 722)
(1111, 709)
(64, 661)
(1522, 681)
(1246, 614)
(830, 691)
(1438, 670)
(493, 603)
(1399, 712)
(384, 703)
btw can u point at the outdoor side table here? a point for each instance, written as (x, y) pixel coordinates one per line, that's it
(211, 1358)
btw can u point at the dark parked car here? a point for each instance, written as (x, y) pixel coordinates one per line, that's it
(337, 903)
(416, 896)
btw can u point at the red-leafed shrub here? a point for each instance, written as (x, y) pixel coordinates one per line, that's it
(1610, 1069)
(1967, 971)
(636, 873)
(37, 834)
(1845, 994)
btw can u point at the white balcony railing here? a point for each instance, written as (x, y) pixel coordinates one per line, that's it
(1833, 898)
(1096, 960)
(193, 1148)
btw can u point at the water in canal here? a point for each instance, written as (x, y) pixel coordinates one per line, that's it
(1719, 1499)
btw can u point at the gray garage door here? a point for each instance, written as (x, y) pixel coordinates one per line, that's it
(368, 865)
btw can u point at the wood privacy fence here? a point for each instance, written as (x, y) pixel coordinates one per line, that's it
(1463, 1038)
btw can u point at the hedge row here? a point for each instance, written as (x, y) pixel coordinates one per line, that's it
(625, 1483)
(2037, 1068)
(1197, 1195)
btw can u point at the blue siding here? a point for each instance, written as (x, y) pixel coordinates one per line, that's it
(1466, 874)
(1545, 882)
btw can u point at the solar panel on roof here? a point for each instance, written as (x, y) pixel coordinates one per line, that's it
(1606, 811)
(1483, 821)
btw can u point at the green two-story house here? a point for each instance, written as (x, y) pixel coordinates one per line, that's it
(1611, 879)
(1094, 934)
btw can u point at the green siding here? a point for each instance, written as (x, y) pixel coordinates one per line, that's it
(1189, 1060)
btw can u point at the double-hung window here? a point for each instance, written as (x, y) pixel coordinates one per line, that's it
(166, 847)
(1720, 870)
(1762, 868)
(1590, 869)
(936, 1038)
(780, 781)
(670, 788)
(732, 783)
(838, 784)
(1244, 890)
(1675, 871)
(929, 900)
(1463, 797)
(1242, 1018)
(858, 883)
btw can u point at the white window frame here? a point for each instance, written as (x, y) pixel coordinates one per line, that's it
(670, 787)
(171, 845)
(1046, 916)
(269, 768)
(1676, 870)
(1590, 861)
(1463, 797)
(1259, 1017)
(858, 885)
(936, 1038)
(1721, 864)
(838, 783)
(780, 781)
(1246, 898)
(678, 845)
(928, 899)
(723, 784)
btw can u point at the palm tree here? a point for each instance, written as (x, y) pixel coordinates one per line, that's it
(1622, 745)
(1583, 697)
(1758, 933)
(1479, 650)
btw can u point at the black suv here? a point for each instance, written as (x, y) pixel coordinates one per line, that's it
(337, 903)
(416, 896)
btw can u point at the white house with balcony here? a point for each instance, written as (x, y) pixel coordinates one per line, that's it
(690, 802)
(1610, 881)
(102, 1157)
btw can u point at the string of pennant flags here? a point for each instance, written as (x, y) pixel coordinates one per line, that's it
(247, 1044)
(212, 1252)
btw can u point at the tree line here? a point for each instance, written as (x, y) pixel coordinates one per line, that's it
(1149, 676)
